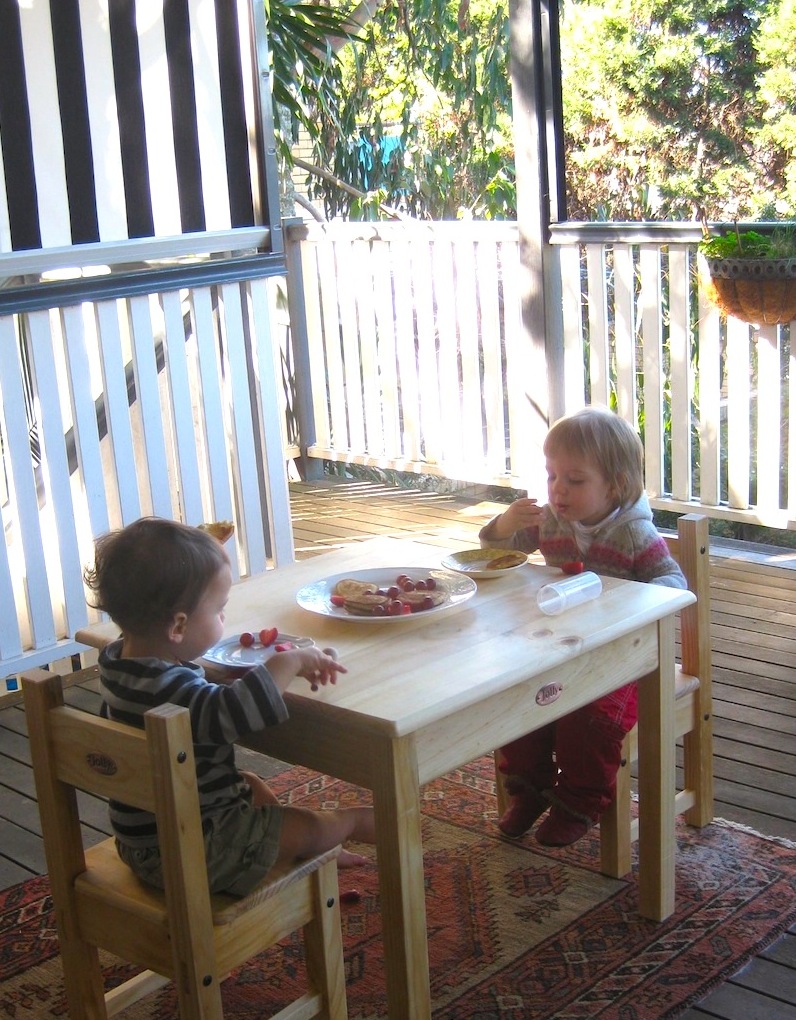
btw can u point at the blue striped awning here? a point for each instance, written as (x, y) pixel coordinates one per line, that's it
(126, 119)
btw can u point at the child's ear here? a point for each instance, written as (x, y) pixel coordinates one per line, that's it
(176, 630)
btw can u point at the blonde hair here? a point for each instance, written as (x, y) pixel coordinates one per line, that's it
(607, 441)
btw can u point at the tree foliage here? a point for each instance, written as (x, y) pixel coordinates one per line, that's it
(424, 117)
(673, 109)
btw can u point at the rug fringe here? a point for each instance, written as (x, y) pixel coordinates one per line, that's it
(725, 823)
(779, 840)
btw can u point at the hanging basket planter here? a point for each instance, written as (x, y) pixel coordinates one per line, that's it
(759, 291)
(752, 273)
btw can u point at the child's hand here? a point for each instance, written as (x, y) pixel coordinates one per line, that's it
(523, 513)
(319, 667)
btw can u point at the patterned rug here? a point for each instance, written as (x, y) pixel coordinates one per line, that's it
(515, 931)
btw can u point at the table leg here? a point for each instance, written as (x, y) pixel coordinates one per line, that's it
(656, 781)
(396, 801)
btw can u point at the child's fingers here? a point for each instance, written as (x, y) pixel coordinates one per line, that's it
(326, 672)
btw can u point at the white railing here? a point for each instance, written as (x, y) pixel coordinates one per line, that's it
(117, 402)
(172, 388)
(415, 360)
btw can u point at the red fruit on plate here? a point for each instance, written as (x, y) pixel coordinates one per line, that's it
(268, 636)
(572, 567)
(246, 639)
(337, 600)
(285, 646)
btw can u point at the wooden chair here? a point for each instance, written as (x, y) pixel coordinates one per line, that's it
(185, 935)
(693, 712)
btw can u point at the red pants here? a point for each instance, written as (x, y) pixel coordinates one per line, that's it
(575, 759)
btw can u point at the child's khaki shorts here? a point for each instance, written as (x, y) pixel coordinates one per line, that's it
(241, 846)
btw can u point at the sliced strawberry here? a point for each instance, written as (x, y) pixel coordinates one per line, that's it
(337, 600)
(285, 646)
(572, 567)
(268, 636)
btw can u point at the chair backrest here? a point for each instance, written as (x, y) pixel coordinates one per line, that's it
(152, 769)
(691, 548)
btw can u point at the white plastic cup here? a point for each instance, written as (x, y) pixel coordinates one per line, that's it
(557, 596)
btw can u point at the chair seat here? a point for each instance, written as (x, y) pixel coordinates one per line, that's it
(107, 871)
(684, 683)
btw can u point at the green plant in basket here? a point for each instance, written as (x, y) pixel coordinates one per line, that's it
(750, 244)
(752, 275)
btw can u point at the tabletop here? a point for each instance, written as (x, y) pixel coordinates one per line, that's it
(405, 673)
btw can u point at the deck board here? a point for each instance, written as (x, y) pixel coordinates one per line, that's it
(753, 614)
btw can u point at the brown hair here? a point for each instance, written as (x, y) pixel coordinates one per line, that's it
(154, 568)
(606, 440)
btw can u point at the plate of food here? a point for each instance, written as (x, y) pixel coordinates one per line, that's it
(480, 563)
(386, 594)
(249, 649)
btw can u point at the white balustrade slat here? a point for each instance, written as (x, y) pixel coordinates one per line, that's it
(466, 305)
(57, 518)
(652, 367)
(266, 376)
(12, 423)
(150, 407)
(681, 379)
(316, 344)
(348, 283)
(624, 333)
(791, 427)
(212, 418)
(738, 425)
(120, 470)
(710, 428)
(572, 317)
(380, 273)
(416, 368)
(525, 463)
(599, 358)
(33, 585)
(175, 352)
(372, 385)
(444, 289)
(435, 402)
(487, 263)
(335, 380)
(84, 421)
(769, 415)
(243, 457)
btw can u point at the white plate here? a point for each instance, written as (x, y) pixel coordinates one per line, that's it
(316, 597)
(231, 652)
(473, 562)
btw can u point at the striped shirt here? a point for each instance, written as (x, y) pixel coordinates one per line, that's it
(220, 715)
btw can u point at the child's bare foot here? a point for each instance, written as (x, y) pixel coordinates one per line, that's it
(348, 859)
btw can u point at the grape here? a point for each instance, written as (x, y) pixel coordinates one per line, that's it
(246, 639)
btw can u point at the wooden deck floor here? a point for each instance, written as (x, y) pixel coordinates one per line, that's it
(754, 653)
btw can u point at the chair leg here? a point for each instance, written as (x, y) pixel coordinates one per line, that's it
(615, 841)
(83, 982)
(698, 773)
(500, 789)
(323, 943)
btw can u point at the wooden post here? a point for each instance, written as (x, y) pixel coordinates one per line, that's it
(538, 141)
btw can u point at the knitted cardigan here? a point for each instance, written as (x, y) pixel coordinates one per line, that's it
(626, 545)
